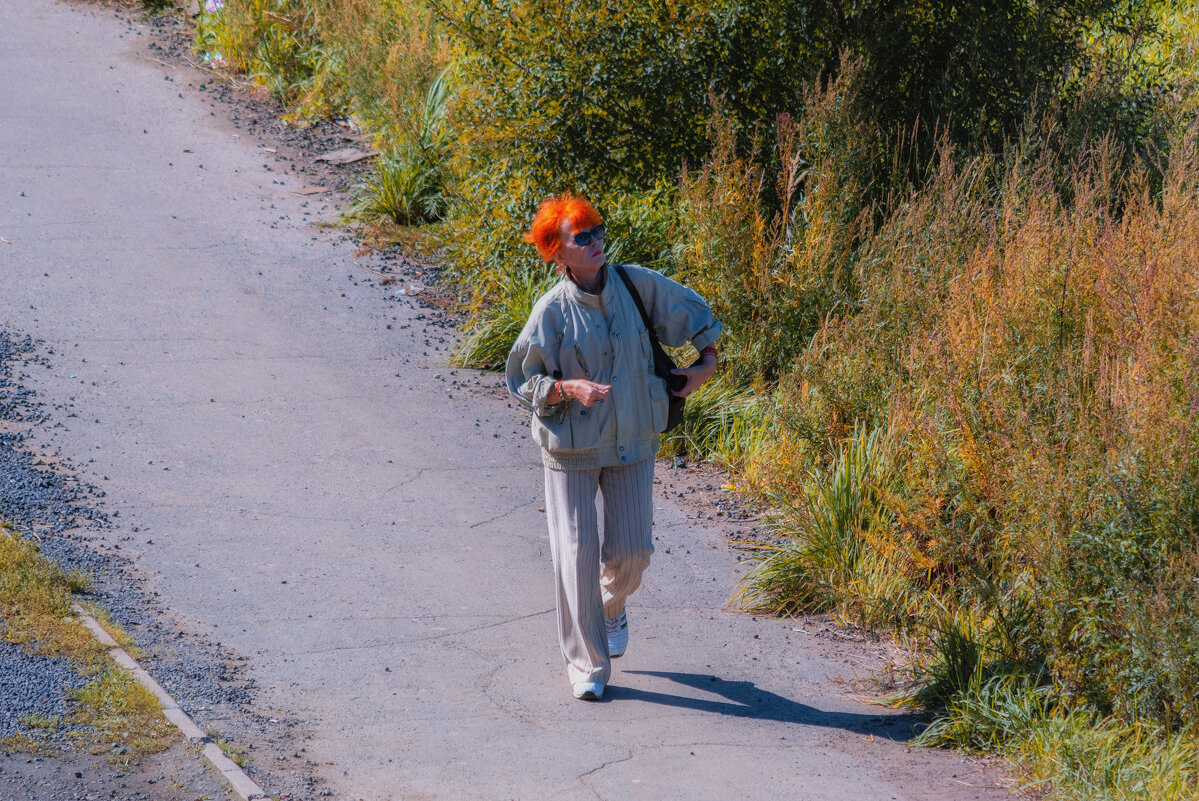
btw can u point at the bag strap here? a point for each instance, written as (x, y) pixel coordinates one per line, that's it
(653, 337)
(663, 364)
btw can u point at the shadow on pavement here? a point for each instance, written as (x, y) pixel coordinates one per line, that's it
(746, 700)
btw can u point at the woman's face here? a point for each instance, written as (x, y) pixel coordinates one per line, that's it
(578, 258)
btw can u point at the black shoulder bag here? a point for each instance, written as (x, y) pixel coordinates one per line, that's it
(663, 364)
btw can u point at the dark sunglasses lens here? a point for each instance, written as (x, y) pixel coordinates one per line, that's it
(585, 238)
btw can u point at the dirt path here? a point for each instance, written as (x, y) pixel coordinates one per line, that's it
(300, 477)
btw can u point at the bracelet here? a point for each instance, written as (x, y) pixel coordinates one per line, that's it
(709, 350)
(558, 386)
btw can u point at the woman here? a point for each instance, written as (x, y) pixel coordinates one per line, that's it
(584, 366)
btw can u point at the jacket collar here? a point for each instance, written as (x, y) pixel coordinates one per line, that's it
(598, 301)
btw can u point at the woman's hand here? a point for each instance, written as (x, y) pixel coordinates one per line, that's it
(696, 375)
(585, 392)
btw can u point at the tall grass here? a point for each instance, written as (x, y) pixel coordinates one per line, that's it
(775, 262)
(840, 552)
(394, 59)
(1035, 344)
(407, 186)
(722, 420)
(496, 327)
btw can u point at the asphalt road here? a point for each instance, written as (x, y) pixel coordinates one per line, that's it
(296, 479)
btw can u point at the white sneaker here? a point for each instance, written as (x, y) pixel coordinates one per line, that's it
(618, 635)
(588, 690)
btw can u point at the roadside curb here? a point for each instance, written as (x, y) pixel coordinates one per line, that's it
(243, 786)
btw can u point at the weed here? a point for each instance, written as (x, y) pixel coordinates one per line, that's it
(497, 326)
(402, 188)
(40, 722)
(236, 753)
(122, 637)
(118, 713)
(114, 710)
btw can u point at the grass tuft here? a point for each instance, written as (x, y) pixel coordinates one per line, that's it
(35, 604)
(402, 188)
(832, 559)
(115, 712)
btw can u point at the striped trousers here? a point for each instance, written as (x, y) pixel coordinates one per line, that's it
(593, 575)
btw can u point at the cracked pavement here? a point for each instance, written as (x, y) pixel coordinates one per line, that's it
(301, 486)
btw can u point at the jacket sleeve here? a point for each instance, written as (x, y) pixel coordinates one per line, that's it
(679, 314)
(532, 365)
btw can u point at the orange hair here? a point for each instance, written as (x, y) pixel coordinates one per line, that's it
(550, 212)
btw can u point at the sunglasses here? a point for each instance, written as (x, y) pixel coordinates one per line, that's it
(585, 238)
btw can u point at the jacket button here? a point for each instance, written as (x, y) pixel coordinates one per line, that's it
(621, 449)
(624, 458)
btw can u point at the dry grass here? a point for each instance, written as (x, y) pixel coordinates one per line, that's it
(388, 54)
(115, 713)
(35, 604)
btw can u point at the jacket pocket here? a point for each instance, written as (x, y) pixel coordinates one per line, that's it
(582, 362)
(554, 433)
(577, 429)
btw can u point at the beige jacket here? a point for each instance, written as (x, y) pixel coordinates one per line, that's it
(574, 334)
